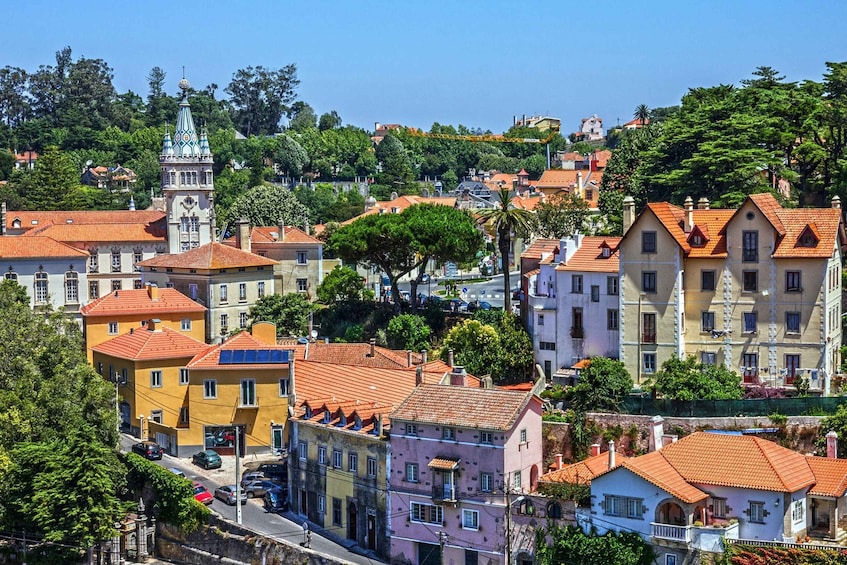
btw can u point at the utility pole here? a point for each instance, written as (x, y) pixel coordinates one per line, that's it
(507, 491)
(442, 539)
(237, 475)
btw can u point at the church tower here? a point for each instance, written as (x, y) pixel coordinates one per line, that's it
(187, 183)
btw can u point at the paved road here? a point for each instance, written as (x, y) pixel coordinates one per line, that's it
(490, 290)
(254, 515)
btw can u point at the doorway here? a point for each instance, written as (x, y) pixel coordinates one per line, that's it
(352, 521)
(371, 529)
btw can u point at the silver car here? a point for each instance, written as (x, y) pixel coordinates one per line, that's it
(258, 488)
(227, 494)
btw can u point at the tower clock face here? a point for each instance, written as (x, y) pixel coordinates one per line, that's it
(188, 202)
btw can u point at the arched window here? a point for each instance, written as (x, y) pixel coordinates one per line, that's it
(554, 510)
(41, 288)
(71, 287)
(11, 276)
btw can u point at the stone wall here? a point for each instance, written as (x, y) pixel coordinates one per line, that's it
(224, 542)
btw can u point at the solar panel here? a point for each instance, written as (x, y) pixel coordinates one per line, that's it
(263, 355)
(252, 356)
(225, 357)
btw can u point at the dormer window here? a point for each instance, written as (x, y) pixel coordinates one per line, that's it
(326, 417)
(809, 237)
(697, 240)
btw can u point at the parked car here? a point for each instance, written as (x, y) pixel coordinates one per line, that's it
(274, 471)
(177, 472)
(455, 305)
(276, 500)
(227, 494)
(479, 305)
(201, 494)
(248, 476)
(149, 449)
(258, 487)
(207, 459)
(425, 278)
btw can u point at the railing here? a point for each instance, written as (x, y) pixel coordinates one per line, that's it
(648, 337)
(577, 332)
(443, 492)
(670, 532)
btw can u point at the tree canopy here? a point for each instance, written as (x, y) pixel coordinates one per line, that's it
(569, 544)
(688, 379)
(341, 284)
(601, 386)
(290, 313)
(267, 205)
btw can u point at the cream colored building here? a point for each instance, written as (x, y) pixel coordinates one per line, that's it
(757, 289)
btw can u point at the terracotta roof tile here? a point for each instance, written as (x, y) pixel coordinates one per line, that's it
(711, 224)
(138, 301)
(27, 217)
(671, 218)
(13, 247)
(539, 247)
(359, 354)
(589, 256)
(403, 202)
(582, 472)
(770, 207)
(824, 223)
(656, 469)
(210, 256)
(558, 178)
(463, 406)
(142, 344)
(96, 233)
(830, 476)
(270, 234)
(443, 463)
(209, 358)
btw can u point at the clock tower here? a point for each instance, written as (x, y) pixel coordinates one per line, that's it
(187, 182)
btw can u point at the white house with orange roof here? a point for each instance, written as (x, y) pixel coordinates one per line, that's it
(757, 289)
(572, 303)
(224, 279)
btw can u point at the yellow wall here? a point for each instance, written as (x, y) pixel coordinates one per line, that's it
(97, 327)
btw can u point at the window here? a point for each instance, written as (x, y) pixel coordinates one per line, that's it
(113, 328)
(471, 555)
(321, 455)
(470, 519)
(523, 436)
(792, 322)
(670, 559)
(93, 290)
(183, 414)
(633, 508)
(541, 319)
(242, 320)
(707, 280)
(611, 285)
(183, 224)
(577, 329)
(116, 261)
(708, 358)
(192, 291)
(750, 246)
(412, 473)
(224, 297)
(336, 458)
(185, 324)
(40, 288)
(284, 389)
(321, 504)
(612, 320)
(707, 321)
(210, 388)
(224, 324)
(411, 429)
(116, 285)
(486, 482)
(195, 224)
(648, 327)
(336, 511)
(248, 392)
(353, 462)
(648, 242)
(792, 281)
(547, 345)
(719, 507)
(156, 416)
(242, 292)
(155, 379)
(595, 293)
(792, 363)
(486, 437)
(92, 261)
(427, 513)
(303, 451)
(613, 505)
(10, 276)
(71, 287)
(371, 466)
(183, 376)
(302, 285)
(648, 281)
(757, 512)
(301, 257)
(517, 481)
(750, 281)
(649, 365)
(136, 284)
(448, 434)
(749, 322)
(137, 257)
(576, 284)
(260, 289)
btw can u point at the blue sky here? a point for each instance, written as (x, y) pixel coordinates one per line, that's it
(418, 62)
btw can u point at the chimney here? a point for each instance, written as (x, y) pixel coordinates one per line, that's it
(292, 392)
(689, 214)
(377, 125)
(306, 227)
(559, 462)
(280, 226)
(836, 203)
(3, 218)
(459, 377)
(628, 213)
(153, 291)
(153, 325)
(612, 461)
(423, 357)
(832, 443)
(242, 235)
(703, 203)
(595, 449)
(378, 425)
(450, 357)
(657, 430)
(372, 343)
(408, 358)
(486, 382)
(579, 184)
(419, 376)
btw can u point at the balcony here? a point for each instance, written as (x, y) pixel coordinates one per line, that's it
(671, 532)
(577, 332)
(702, 538)
(648, 337)
(445, 493)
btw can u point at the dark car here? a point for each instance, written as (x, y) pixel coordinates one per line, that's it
(276, 500)
(479, 305)
(207, 459)
(455, 305)
(274, 471)
(149, 449)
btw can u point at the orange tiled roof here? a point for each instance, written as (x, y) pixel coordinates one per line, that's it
(589, 256)
(572, 156)
(97, 233)
(210, 256)
(527, 202)
(655, 469)
(770, 207)
(42, 217)
(558, 178)
(142, 344)
(463, 406)
(539, 247)
(824, 223)
(830, 476)
(403, 202)
(359, 354)
(582, 472)
(270, 234)
(671, 218)
(208, 359)
(602, 157)
(711, 225)
(368, 413)
(12, 247)
(138, 301)
(443, 463)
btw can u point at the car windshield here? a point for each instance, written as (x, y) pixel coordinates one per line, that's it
(198, 489)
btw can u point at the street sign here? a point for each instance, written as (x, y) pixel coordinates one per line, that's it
(465, 289)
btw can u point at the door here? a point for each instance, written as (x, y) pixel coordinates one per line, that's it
(750, 367)
(276, 439)
(303, 506)
(448, 485)
(352, 521)
(125, 415)
(371, 529)
(429, 554)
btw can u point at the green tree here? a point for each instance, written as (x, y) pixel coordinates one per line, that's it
(290, 156)
(561, 215)
(476, 346)
(302, 117)
(329, 120)
(341, 284)
(507, 220)
(172, 498)
(290, 312)
(52, 185)
(408, 332)
(688, 379)
(601, 386)
(396, 164)
(569, 544)
(260, 97)
(266, 206)
(642, 114)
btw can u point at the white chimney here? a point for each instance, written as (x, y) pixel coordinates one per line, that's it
(836, 202)
(657, 430)
(559, 462)
(832, 445)
(408, 358)
(628, 213)
(242, 235)
(612, 461)
(689, 214)
(423, 357)
(703, 203)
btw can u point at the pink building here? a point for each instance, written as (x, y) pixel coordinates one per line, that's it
(459, 456)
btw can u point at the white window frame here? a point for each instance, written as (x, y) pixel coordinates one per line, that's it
(448, 434)
(321, 504)
(321, 455)
(242, 292)
(113, 328)
(156, 378)
(411, 429)
(185, 324)
(486, 482)
(412, 474)
(72, 287)
(648, 368)
(303, 450)
(422, 513)
(302, 285)
(302, 257)
(372, 466)
(470, 519)
(210, 389)
(353, 462)
(223, 296)
(42, 288)
(719, 507)
(517, 480)
(260, 289)
(486, 437)
(336, 458)
(756, 511)
(242, 320)
(184, 378)
(247, 393)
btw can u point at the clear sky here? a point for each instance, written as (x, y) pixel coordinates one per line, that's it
(415, 62)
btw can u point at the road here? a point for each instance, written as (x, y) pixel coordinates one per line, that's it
(254, 516)
(490, 290)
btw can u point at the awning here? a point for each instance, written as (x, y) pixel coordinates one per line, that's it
(444, 464)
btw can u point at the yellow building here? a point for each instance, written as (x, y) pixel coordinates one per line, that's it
(148, 365)
(119, 311)
(757, 289)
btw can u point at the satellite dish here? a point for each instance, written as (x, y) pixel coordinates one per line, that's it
(89, 163)
(314, 334)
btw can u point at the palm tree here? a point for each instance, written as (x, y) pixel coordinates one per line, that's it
(642, 113)
(507, 220)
